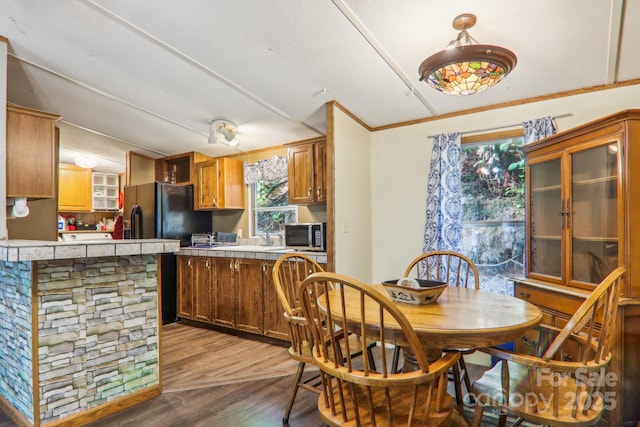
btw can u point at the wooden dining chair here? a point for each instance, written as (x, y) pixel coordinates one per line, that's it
(288, 272)
(456, 270)
(548, 387)
(354, 393)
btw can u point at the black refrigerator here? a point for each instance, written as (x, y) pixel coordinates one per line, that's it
(164, 211)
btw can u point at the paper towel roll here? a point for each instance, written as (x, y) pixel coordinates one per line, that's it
(20, 208)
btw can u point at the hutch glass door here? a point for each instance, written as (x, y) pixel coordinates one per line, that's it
(545, 223)
(594, 213)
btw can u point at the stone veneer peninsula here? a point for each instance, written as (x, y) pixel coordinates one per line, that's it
(79, 328)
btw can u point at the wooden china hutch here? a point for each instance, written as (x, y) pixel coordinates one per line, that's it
(583, 221)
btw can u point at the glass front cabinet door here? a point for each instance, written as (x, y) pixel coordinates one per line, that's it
(574, 212)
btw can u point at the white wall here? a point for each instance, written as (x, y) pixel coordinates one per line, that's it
(400, 161)
(352, 198)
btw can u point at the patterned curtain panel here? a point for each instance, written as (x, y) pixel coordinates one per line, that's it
(273, 169)
(533, 131)
(538, 129)
(443, 222)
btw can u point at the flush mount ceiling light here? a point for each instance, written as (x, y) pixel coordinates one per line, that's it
(85, 161)
(466, 67)
(223, 132)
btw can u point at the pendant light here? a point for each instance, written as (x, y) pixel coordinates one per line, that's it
(466, 67)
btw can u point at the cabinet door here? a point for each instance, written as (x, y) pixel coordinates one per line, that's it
(320, 171)
(274, 324)
(206, 191)
(300, 165)
(74, 189)
(219, 184)
(224, 292)
(594, 248)
(230, 183)
(202, 289)
(185, 287)
(545, 218)
(249, 308)
(31, 153)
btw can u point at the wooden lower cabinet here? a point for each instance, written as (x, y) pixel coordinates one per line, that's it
(224, 295)
(558, 303)
(194, 288)
(249, 311)
(185, 287)
(202, 289)
(234, 293)
(274, 324)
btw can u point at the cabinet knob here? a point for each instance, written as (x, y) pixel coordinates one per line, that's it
(524, 295)
(528, 341)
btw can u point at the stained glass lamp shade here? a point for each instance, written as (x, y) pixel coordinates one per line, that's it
(466, 67)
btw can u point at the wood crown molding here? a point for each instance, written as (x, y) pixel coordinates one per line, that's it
(489, 107)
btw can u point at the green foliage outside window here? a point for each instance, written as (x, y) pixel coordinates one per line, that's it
(491, 172)
(272, 210)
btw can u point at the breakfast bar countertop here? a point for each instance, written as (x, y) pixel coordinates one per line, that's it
(38, 250)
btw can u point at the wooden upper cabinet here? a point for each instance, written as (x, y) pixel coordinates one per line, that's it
(32, 149)
(219, 184)
(320, 170)
(307, 172)
(180, 168)
(74, 189)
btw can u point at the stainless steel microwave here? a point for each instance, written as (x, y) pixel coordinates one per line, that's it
(306, 237)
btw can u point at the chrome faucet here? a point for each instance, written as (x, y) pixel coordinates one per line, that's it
(267, 239)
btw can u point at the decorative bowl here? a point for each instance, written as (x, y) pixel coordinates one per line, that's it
(414, 291)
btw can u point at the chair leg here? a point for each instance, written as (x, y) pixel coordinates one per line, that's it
(293, 392)
(456, 384)
(372, 362)
(477, 415)
(464, 375)
(396, 358)
(502, 419)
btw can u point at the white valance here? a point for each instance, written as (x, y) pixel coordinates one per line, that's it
(273, 169)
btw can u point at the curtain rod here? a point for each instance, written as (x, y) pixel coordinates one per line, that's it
(505, 126)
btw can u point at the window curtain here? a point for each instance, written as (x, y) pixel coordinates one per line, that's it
(443, 222)
(533, 131)
(273, 169)
(538, 129)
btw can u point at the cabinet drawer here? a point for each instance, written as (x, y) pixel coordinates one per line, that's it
(548, 299)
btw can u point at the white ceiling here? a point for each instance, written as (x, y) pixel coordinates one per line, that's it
(151, 74)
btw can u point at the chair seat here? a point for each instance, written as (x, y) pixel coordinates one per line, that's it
(355, 345)
(534, 403)
(400, 396)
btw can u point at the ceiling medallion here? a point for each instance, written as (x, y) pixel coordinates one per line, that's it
(466, 67)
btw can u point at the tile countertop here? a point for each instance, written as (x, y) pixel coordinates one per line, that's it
(38, 250)
(269, 253)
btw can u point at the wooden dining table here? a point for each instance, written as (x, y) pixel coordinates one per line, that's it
(460, 318)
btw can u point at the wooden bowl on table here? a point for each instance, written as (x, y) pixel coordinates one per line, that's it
(414, 291)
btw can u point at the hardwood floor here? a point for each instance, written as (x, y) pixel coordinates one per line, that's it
(215, 379)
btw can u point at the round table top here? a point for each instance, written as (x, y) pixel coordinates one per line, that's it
(463, 318)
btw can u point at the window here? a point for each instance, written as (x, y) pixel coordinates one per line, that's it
(493, 227)
(270, 208)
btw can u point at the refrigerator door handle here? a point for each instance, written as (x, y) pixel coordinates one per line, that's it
(136, 222)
